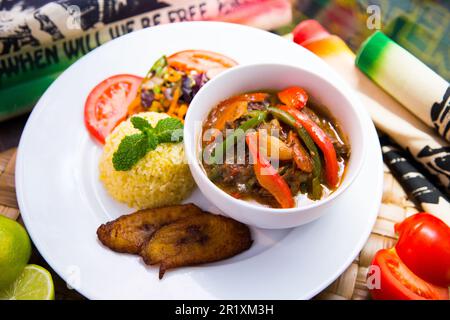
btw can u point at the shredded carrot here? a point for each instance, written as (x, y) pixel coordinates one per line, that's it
(174, 103)
(156, 106)
(135, 106)
(172, 75)
(165, 103)
(182, 110)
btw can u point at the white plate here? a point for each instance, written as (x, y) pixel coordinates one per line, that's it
(62, 201)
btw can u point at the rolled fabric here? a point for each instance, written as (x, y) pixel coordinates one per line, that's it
(421, 90)
(416, 185)
(388, 115)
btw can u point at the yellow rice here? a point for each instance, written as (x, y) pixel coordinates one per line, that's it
(161, 178)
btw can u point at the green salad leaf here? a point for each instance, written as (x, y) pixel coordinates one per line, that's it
(159, 65)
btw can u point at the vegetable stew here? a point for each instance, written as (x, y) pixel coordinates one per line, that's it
(280, 149)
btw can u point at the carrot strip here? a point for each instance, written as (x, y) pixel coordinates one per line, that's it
(174, 103)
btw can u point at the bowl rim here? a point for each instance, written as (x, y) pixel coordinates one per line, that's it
(192, 150)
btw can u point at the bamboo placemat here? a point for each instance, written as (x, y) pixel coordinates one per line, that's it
(350, 285)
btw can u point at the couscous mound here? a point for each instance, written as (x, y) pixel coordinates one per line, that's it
(161, 178)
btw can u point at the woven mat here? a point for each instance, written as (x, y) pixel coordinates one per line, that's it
(350, 285)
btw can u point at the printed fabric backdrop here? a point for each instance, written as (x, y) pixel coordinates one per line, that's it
(40, 38)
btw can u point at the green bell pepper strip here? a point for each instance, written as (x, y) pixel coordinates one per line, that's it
(323, 142)
(283, 116)
(221, 148)
(159, 66)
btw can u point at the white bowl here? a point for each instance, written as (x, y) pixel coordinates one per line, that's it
(271, 76)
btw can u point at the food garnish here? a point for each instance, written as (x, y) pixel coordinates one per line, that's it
(107, 104)
(196, 240)
(34, 283)
(134, 147)
(129, 232)
(292, 130)
(15, 250)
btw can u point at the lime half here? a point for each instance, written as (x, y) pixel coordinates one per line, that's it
(34, 283)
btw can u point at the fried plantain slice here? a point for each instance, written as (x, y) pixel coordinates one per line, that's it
(195, 240)
(129, 232)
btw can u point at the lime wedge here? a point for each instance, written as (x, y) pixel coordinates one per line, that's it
(34, 283)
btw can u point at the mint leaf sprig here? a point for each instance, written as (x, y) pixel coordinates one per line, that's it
(134, 147)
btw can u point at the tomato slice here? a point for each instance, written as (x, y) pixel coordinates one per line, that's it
(202, 61)
(107, 104)
(398, 282)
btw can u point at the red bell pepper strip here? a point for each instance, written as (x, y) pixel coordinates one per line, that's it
(424, 246)
(323, 142)
(294, 97)
(267, 176)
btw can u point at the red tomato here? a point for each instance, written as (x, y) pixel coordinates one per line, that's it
(424, 246)
(397, 282)
(201, 61)
(107, 104)
(294, 97)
